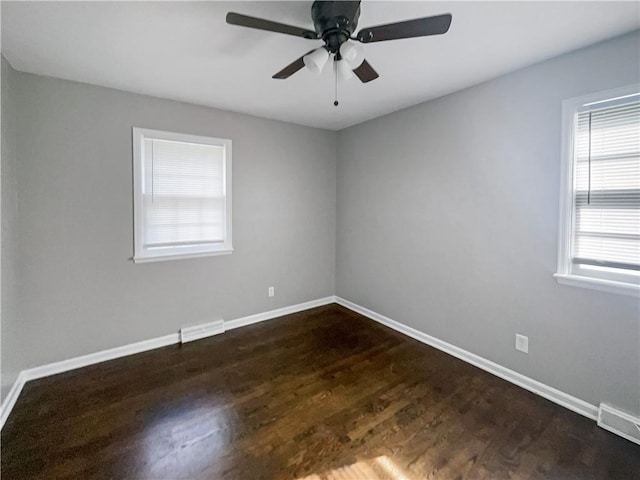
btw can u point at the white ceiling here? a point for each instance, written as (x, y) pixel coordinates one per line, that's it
(185, 51)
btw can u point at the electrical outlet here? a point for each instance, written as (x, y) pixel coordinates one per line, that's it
(272, 291)
(522, 343)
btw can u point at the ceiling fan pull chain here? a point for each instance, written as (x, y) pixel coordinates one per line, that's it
(335, 102)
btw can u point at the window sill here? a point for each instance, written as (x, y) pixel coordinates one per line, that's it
(609, 286)
(180, 256)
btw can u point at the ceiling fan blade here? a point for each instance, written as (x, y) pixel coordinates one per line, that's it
(262, 24)
(419, 27)
(365, 72)
(292, 68)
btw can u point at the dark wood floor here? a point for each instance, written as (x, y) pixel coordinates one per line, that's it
(324, 394)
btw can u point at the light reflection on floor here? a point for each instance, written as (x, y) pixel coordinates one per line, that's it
(379, 468)
(188, 438)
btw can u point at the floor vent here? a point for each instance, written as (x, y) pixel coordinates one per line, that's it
(619, 423)
(188, 334)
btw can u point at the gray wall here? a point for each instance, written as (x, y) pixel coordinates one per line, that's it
(11, 338)
(448, 222)
(75, 227)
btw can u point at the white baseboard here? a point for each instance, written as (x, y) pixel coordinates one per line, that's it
(138, 347)
(11, 398)
(99, 357)
(278, 312)
(561, 398)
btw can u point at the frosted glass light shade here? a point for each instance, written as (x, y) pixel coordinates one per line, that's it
(316, 60)
(352, 53)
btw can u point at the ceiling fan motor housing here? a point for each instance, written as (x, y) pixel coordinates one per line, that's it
(335, 22)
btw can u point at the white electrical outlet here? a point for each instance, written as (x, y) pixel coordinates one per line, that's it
(272, 291)
(522, 343)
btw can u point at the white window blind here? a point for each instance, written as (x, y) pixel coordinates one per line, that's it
(606, 226)
(182, 195)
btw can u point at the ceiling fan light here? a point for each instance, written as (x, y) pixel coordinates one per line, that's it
(352, 53)
(316, 60)
(343, 69)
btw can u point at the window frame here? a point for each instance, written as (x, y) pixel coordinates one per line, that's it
(565, 273)
(144, 255)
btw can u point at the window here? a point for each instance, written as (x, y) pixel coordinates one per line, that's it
(600, 215)
(182, 195)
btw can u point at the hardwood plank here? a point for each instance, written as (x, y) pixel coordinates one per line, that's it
(322, 394)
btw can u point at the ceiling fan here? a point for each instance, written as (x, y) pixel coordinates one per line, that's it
(335, 23)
